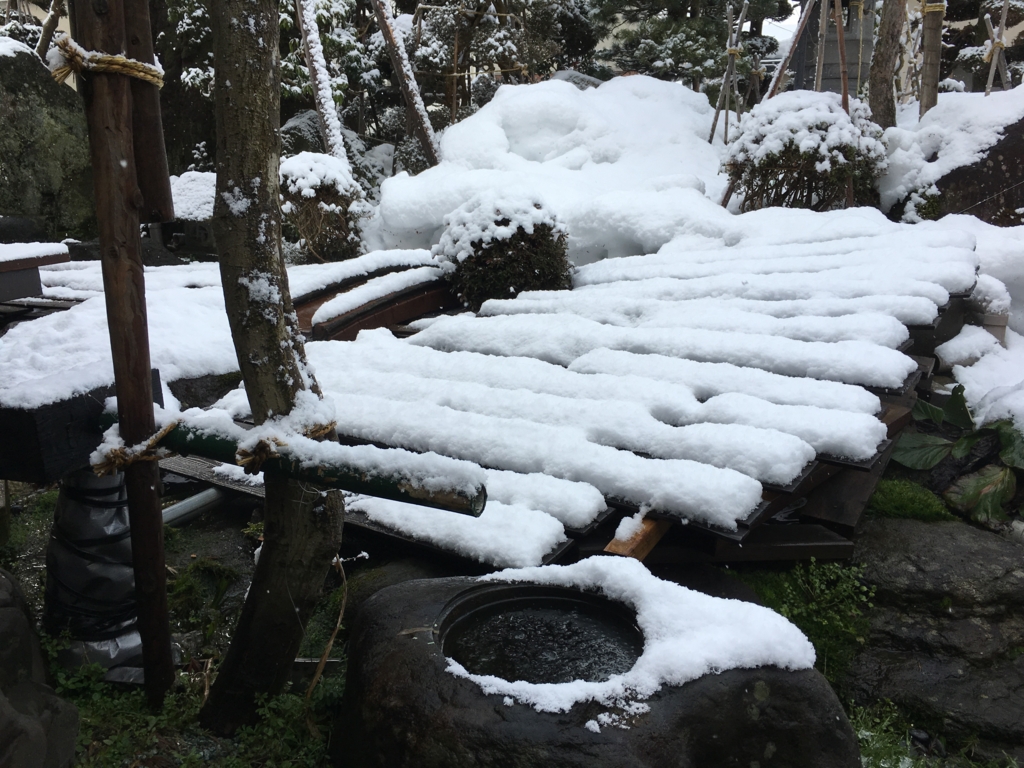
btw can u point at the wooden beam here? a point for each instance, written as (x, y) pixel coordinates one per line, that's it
(640, 544)
(101, 26)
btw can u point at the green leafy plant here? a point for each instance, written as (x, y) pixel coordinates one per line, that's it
(827, 601)
(980, 495)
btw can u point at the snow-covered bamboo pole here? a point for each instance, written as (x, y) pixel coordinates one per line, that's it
(406, 81)
(320, 79)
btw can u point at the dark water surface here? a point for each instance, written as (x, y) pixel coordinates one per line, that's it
(544, 641)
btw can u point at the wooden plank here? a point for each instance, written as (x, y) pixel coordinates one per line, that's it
(865, 465)
(640, 544)
(33, 262)
(198, 468)
(307, 304)
(840, 503)
(395, 309)
(769, 543)
(896, 418)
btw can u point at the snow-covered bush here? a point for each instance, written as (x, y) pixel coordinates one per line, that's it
(323, 204)
(494, 247)
(800, 150)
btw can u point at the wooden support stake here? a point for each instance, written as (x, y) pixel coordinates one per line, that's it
(931, 48)
(403, 73)
(108, 110)
(776, 83)
(730, 73)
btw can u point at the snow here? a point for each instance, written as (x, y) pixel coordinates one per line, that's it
(375, 289)
(18, 251)
(303, 174)
(966, 347)
(489, 217)
(990, 296)
(308, 279)
(956, 132)
(686, 635)
(580, 150)
(815, 123)
(495, 538)
(321, 80)
(561, 339)
(994, 385)
(193, 193)
(10, 47)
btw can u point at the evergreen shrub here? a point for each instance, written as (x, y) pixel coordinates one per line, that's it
(801, 150)
(322, 204)
(496, 247)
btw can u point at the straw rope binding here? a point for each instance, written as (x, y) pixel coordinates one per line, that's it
(122, 456)
(78, 60)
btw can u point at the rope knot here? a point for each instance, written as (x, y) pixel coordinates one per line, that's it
(77, 59)
(117, 459)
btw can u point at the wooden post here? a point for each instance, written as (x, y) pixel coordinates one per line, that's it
(819, 68)
(837, 10)
(776, 82)
(108, 110)
(931, 47)
(407, 82)
(147, 123)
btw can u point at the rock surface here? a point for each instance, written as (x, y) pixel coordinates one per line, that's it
(947, 633)
(37, 729)
(44, 150)
(403, 710)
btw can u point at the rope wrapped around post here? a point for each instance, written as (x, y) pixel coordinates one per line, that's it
(116, 459)
(78, 60)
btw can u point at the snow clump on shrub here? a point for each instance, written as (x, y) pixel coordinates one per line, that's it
(496, 246)
(800, 150)
(323, 204)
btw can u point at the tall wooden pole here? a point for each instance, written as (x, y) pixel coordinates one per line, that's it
(931, 47)
(776, 83)
(101, 26)
(819, 68)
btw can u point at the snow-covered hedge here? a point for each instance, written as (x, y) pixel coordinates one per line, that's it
(801, 149)
(323, 203)
(496, 246)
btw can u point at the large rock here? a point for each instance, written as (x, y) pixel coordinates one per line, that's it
(992, 187)
(37, 728)
(402, 709)
(45, 171)
(947, 631)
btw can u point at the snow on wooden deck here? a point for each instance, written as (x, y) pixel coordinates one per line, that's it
(683, 381)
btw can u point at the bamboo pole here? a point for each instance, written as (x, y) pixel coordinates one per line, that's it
(844, 75)
(730, 70)
(108, 109)
(998, 57)
(776, 82)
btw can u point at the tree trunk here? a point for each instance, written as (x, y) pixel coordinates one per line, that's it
(881, 89)
(302, 527)
(320, 80)
(931, 48)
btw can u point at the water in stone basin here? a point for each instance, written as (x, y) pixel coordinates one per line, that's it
(544, 640)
